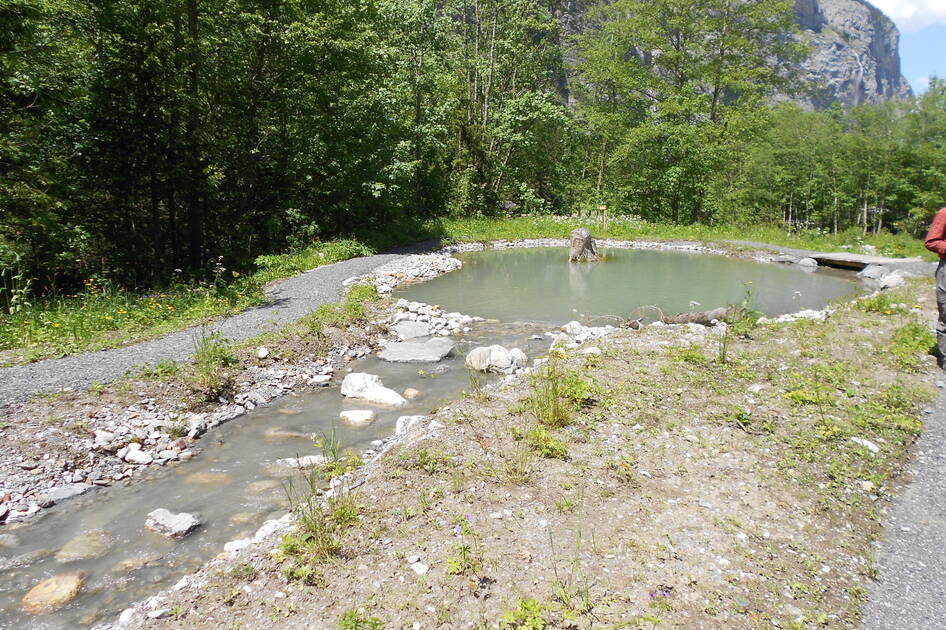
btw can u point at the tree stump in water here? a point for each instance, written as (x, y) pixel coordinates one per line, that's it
(582, 246)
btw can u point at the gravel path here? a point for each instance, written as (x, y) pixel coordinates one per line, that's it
(289, 300)
(910, 591)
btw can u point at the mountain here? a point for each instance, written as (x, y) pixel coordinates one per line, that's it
(854, 51)
(854, 58)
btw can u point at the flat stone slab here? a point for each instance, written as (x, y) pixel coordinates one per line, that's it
(410, 329)
(858, 261)
(429, 351)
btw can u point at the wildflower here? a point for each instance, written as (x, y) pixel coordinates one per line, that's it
(55, 324)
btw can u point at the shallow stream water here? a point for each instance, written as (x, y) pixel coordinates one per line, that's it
(232, 484)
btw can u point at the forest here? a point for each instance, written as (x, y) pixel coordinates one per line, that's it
(143, 142)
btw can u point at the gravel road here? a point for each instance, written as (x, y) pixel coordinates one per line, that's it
(289, 300)
(910, 591)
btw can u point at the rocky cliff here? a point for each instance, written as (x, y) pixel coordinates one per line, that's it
(854, 56)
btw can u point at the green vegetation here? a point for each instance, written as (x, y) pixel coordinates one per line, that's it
(359, 620)
(527, 615)
(909, 343)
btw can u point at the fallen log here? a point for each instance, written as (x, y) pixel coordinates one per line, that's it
(706, 318)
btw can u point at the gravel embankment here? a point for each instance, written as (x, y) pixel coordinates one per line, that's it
(289, 300)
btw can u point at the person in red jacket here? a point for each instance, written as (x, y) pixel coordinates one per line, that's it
(936, 242)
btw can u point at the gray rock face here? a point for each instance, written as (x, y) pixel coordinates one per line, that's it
(429, 351)
(854, 56)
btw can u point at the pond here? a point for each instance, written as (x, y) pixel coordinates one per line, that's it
(540, 285)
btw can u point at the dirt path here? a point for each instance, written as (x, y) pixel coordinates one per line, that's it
(289, 300)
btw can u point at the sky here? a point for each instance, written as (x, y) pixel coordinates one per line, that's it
(922, 25)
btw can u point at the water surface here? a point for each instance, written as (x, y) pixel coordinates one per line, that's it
(540, 285)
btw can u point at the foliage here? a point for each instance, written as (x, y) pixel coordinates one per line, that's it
(527, 615)
(356, 619)
(909, 343)
(542, 442)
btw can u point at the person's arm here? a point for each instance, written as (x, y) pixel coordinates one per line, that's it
(936, 237)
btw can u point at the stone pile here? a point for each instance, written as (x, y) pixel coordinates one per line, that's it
(411, 269)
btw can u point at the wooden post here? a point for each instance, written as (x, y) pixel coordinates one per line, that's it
(603, 216)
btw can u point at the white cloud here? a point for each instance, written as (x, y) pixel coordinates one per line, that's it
(913, 15)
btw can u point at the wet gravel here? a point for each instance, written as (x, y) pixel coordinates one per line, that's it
(289, 300)
(911, 559)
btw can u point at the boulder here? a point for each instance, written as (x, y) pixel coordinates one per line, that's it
(368, 387)
(85, 546)
(495, 359)
(581, 246)
(358, 417)
(892, 280)
(53, 593)
(408, 329)
(873, 272)
(172, 525)
(411, 394)
(808, 262)
(429, 351)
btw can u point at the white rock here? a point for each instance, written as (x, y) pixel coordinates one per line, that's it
(137, 456)
(870, 446)
(519, 358)
(166, 522)
(358, 417)
(420, 568)
(368, 387)
(593, 350)
(892, 280)
(807, 262)
(262, 353)
(491, 359)
(237, 545)
(406, 423)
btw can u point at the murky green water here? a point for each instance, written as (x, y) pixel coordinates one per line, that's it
(540, 285)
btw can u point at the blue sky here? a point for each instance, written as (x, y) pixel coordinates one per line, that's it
(922, 25)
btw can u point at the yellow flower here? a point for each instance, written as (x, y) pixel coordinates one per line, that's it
(55, 324)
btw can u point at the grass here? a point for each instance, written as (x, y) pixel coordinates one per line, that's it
(104, 316)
